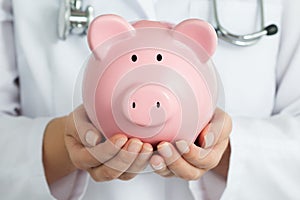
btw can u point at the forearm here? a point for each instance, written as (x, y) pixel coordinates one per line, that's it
(56, 160)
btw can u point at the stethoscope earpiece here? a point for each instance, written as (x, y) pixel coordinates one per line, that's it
(271, 29)
(73, 18)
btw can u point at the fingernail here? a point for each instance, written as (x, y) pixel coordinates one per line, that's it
(120, 142)
(183, 146)
(135, 146)
(147, 147)
(159, 166)
(91, 138)
(165, 150)
(209, 139)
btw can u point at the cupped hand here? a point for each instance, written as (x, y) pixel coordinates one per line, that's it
(190, 162)
(115, 158)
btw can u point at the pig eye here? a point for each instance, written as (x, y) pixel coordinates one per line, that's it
(157, 104)
(134, 58)
(133, 105)
(159, 57)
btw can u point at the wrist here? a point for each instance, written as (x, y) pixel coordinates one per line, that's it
(56, 160)
(223, 166)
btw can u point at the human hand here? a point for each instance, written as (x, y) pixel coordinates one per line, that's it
(190, 162)
(72, 142)
(117, 157)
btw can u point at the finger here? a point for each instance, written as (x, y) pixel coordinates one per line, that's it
(79, 155)
(142, 159)
(108, 149)
(87, 133)
(160, 167)
(179, 166)
(84, 158)
(217, 130)
(200, 157)
(113, 168)
(140, 162)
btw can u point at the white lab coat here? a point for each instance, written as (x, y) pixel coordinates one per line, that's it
(261, 85)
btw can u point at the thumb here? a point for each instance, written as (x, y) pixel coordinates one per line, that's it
(88, 134)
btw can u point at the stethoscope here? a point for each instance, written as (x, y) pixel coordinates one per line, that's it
(74, 19)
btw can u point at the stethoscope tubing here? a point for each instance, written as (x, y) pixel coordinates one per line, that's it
(247, 39)
(74, 19)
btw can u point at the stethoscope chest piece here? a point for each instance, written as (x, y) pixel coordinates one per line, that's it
(73, 18)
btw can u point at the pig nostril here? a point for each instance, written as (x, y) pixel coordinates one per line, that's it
(133, 105)
(157, 104)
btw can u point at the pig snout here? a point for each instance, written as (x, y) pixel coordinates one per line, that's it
(151, 105)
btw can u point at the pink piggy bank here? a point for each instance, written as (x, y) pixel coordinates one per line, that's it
(150, 80)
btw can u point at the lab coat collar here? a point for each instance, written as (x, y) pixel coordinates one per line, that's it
(147, 6)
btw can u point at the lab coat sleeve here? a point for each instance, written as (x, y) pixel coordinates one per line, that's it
(21, 168)
(21, 138)
(22, 174)
(265, 159)
(9, 77)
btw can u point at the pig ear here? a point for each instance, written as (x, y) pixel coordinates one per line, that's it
(104, 27)
(201, 32)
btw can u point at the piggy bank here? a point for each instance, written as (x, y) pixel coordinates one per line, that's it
(150, 80)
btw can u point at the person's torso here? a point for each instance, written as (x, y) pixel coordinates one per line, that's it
(49, 67)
